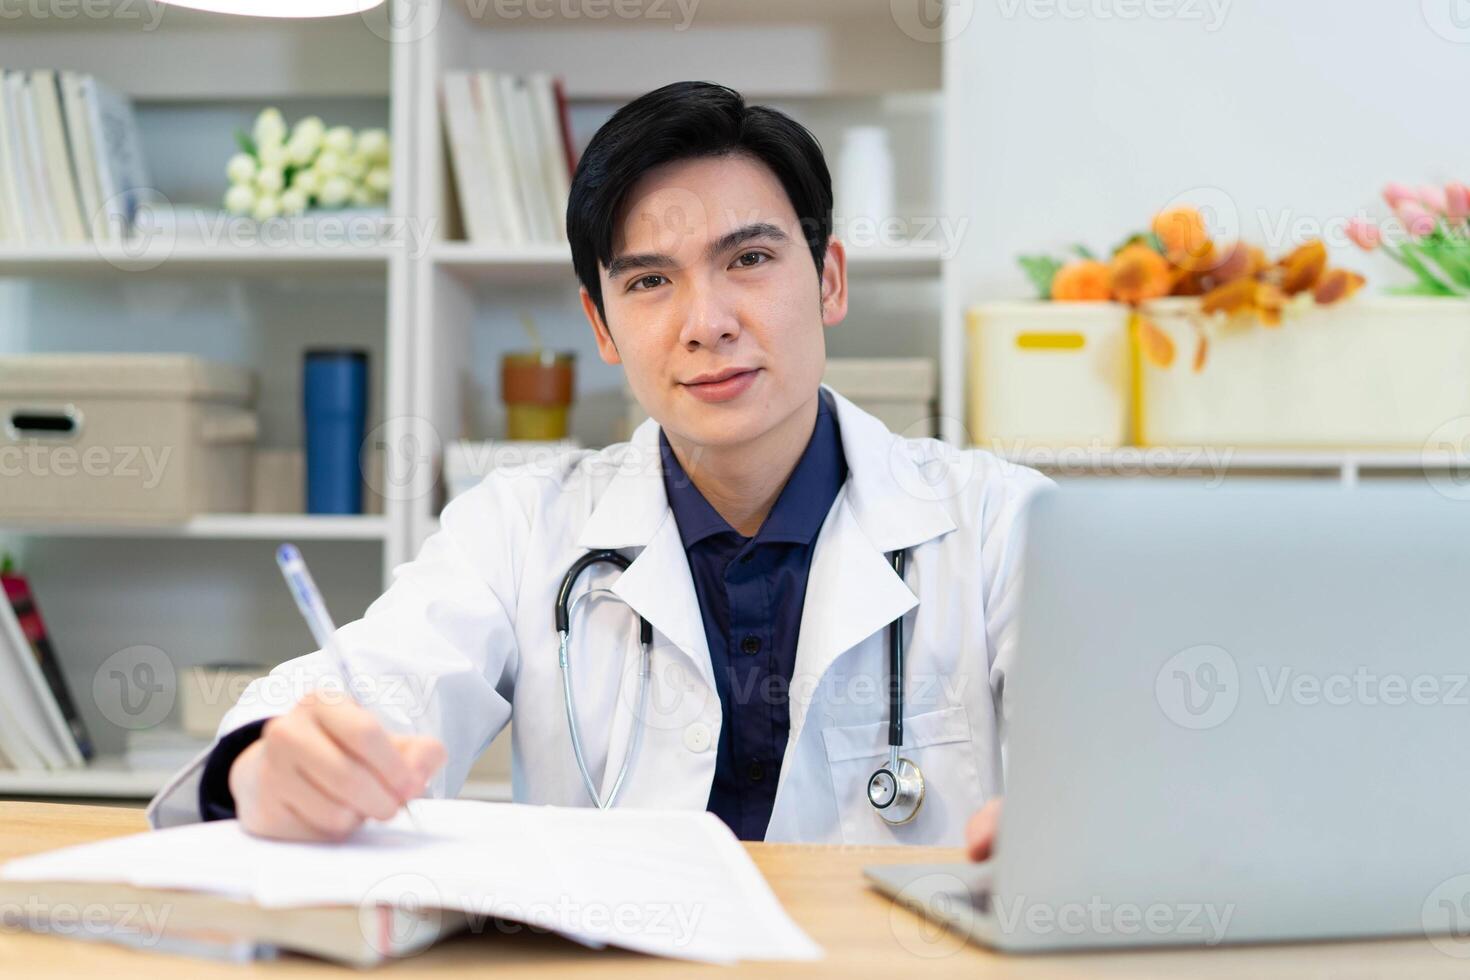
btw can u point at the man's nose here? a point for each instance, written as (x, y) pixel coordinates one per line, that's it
(709, 320)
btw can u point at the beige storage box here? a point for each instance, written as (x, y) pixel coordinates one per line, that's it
(1371, 373)
(897, 390)
(124, 437)
(1048, 375)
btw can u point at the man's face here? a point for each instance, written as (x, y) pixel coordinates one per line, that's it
(713, 304)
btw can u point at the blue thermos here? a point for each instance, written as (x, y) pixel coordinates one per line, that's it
(334, 397)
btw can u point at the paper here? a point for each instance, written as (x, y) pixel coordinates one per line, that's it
(667, 883)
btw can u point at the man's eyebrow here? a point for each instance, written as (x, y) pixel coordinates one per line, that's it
(652, 260)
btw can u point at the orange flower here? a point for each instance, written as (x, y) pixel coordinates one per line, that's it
(1139, 273)
(1244, 297)
(1241, 261)
(1302, 267)
(1086, 279)
(1182, 233)
(1157, 346)
(1335, 285)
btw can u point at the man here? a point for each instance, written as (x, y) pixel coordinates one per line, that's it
(760, 512)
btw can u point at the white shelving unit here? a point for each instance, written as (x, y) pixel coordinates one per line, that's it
(438, 318)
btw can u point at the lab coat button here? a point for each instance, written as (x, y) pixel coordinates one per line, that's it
(696, 737)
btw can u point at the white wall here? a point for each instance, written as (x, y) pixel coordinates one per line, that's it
(1284, 116)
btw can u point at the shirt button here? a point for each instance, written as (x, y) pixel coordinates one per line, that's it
(751, 644)
(757, 772)
(696, 737)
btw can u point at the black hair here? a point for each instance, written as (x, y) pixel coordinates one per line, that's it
(685, 120)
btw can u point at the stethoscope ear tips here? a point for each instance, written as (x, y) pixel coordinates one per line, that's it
(896, 792)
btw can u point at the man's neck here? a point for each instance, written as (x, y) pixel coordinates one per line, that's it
(742, 482)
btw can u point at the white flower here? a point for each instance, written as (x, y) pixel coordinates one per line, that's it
(338, 139)
(309, 129)
(266, 208)
(379, 180)
(355, 167)
(373, 144)
(328, 164)
(364, 196)
(272, 155)
(302, 150)
(307, 182)
(335, 192)
(270, 180)
(241, 168)
(293, 201)
(270, 128)
(240, 199)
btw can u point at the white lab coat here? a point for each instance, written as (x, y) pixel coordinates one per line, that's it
(463, 641)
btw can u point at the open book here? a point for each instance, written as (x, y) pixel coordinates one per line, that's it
(667, 883)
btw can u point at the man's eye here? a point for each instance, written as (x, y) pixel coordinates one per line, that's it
(636, 283)
(747, 255)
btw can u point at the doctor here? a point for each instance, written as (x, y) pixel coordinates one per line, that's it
(758, 512)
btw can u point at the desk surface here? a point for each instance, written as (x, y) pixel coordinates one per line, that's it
(822, 887)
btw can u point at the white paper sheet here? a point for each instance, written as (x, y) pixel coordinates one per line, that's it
(668, 883)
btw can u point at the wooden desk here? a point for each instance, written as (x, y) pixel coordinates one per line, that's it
(822, 887)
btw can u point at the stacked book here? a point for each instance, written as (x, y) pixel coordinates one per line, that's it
(40, 727)
(71, 163)
(511, 150)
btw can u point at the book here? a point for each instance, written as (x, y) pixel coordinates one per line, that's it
(672, 883)
(217, 927)
(526, 150)
(515, 223)
(26, 620)
(122, 171)
(43, 722)
(469, 157)
(56, 158)
(556, 178)
(84, 156)
(34, 197)
(12, 228)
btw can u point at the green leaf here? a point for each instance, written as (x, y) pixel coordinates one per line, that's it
(1084, 252)
(246, 144)
(7, 564)
(1140, 238)
(1041, 270)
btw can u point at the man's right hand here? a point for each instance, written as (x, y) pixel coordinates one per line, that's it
(318, 771)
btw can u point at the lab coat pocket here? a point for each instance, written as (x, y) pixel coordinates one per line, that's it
(940, 744)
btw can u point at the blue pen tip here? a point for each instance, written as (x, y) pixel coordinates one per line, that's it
(287, 553)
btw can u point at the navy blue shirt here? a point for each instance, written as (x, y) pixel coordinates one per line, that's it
(750, 596)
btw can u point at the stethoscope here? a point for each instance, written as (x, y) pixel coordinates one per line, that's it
(896, 791)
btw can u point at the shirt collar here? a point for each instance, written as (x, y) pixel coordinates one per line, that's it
(801, 507)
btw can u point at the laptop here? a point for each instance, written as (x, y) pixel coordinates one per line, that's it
(1236, 715)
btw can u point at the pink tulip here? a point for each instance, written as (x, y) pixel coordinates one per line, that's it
(1457, 201)
(1417, 221)
(1396, 194)
(1364, 234)
(1432, 198)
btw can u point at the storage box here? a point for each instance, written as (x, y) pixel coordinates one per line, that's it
(1379, 372)
(123, 437)
(899, 391)
(1049, 375)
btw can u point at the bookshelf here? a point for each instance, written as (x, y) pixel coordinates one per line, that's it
(435, 318)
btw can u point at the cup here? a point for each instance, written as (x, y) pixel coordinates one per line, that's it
(536, 387)
(334, 397)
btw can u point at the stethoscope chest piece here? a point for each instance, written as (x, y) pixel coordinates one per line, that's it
(896, 791)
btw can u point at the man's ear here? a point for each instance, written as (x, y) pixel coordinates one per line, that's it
(834, 283)
(607, 349)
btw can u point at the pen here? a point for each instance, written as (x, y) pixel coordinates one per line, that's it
(319, 621)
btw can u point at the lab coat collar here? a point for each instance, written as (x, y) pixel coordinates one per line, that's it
(891, 500)
(852, 591)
